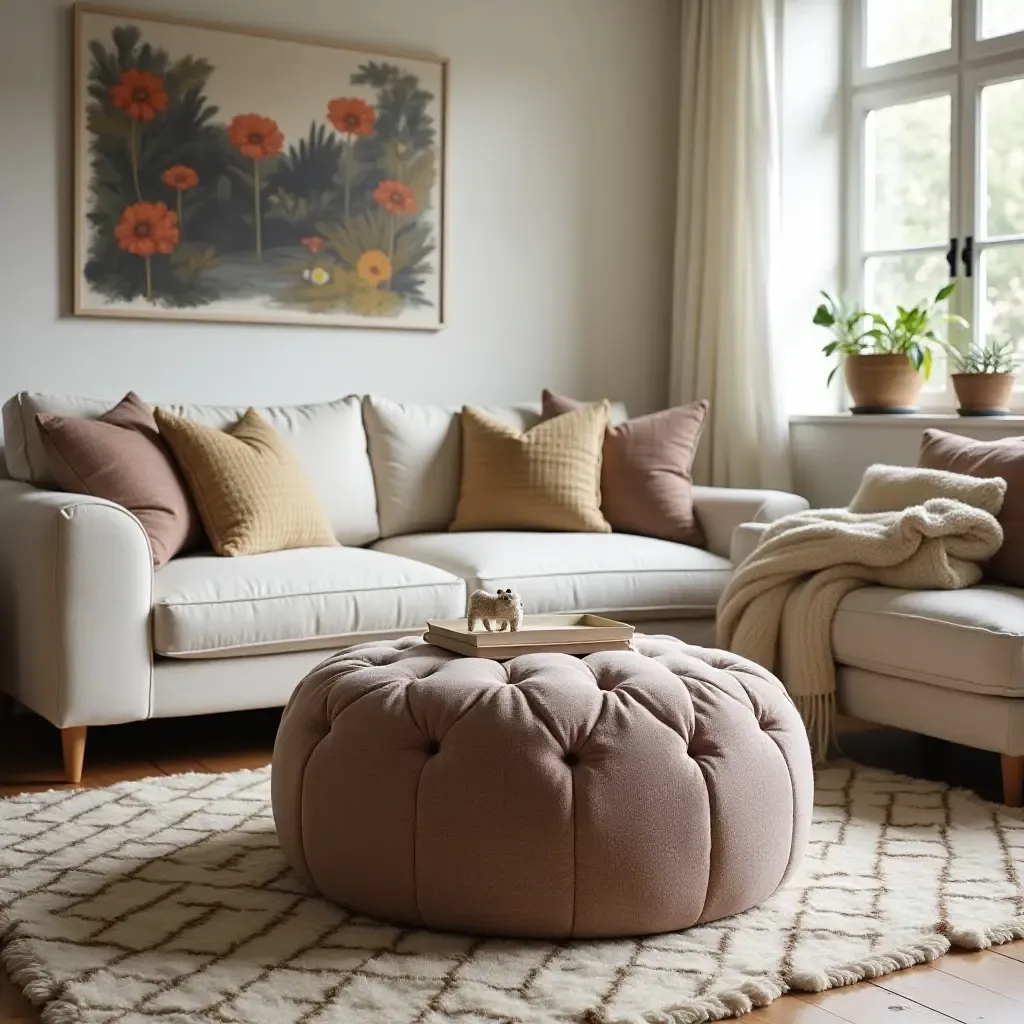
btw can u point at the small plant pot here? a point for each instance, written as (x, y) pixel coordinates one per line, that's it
(882, 384)
(983, 394)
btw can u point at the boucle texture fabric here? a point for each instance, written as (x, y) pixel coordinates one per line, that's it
(548, 478)
(624, 793)
(1002, 459)
(647, 470)
(251, 492)
(121, 457)
(777, 608)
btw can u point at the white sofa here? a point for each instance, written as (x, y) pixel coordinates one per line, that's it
(91, 635)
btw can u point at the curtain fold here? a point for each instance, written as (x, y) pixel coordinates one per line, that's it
(726, 221)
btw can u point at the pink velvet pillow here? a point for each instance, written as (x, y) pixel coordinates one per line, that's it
(647, 462)
(122, 458)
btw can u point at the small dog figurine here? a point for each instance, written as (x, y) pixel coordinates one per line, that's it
(504, 608)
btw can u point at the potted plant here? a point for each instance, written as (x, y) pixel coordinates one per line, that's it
(885, 362)
(983, 377)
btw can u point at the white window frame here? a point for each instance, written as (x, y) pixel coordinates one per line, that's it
(961, 72)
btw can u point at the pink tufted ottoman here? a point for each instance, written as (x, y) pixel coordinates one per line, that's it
(617, 794)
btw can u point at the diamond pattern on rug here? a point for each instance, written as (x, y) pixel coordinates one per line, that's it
(169, 900)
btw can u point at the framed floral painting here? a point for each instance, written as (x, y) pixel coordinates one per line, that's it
(226, 174)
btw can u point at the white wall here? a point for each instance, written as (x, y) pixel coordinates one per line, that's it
(562, 143)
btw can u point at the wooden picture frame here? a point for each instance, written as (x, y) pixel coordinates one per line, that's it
(236, 175)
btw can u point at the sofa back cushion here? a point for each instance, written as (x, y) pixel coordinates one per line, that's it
(415, 451)
(327, 438)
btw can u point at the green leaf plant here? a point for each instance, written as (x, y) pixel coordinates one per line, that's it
(911, 332)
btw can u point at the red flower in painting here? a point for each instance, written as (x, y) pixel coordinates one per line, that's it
(313, 244)
(180, 177)
(147, 228)
(139, 94)
(255, 137)
(351, 116)
(395, 197)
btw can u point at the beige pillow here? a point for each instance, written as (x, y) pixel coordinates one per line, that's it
(251, 491)
(545, 479)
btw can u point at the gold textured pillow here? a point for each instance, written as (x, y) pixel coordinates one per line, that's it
(546, 479)
(251, 491)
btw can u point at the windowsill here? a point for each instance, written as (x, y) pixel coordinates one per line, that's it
(917, 420)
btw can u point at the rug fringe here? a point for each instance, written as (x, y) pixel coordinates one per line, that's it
(31, 976)
(982, 938)
(877, 966)
(749, 996)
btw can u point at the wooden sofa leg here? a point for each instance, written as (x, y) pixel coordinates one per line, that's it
(72, 742)
(1013, 780)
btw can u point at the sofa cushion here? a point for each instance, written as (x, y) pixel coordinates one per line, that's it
(970, 640)
(415, 453)
(304, 599)
(327, 438)
(618, 574)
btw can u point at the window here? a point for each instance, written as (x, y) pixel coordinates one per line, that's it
(936, 168)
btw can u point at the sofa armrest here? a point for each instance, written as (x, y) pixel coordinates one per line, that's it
(76, 594)
(719, 510)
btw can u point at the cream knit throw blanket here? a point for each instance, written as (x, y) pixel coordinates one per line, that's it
(907, 528)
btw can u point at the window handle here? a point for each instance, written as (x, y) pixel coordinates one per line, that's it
(951, 257)
(967, 255)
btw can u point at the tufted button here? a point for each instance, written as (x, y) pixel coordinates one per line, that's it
(571, 759)
(433, 747)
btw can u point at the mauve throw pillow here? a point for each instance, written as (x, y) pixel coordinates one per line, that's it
(1003, 458)
(646, 470)
(121, 457)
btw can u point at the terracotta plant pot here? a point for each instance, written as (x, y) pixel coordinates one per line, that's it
(881, 384)
(983, 394)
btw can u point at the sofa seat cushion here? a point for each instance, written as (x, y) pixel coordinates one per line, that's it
(970, 640)
(304, 599)
(618, 574)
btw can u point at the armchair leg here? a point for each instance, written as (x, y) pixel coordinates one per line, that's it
(72, 743)
(1013, 780)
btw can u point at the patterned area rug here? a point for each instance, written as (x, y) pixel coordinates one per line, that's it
(168, 900)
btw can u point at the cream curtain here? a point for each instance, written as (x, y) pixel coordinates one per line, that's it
(726, 218)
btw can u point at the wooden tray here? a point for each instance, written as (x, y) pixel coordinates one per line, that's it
(567, 634)
(517, 650)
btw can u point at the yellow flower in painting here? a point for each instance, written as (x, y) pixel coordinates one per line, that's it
(317, 276)
(374, 267)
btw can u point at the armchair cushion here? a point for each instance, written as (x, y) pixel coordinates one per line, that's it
(969, 640)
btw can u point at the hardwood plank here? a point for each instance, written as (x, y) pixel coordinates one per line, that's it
(14, 1007)
(865, 1004)
(790, 1011)
(234, 760)
(179, 765)
(963, 1001)
(996, 973)
(1013, 950)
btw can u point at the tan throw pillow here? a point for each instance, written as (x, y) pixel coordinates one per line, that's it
(647, 467)
(121, 457)
(545, 479)
(251, 491)
(1003, 458)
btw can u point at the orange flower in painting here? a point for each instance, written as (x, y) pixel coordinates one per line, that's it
(374, 267)
(255, 137)
(147, 228)
(313, 244)
(395, 197)
(139, 94)
(351, 116)
(180, 177)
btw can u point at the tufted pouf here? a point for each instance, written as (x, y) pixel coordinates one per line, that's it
(619, 794)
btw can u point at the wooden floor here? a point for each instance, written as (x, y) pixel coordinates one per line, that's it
(969, 988)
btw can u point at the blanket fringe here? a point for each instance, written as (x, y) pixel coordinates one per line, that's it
(818, 710)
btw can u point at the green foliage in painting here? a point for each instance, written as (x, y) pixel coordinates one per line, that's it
(188, 207)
